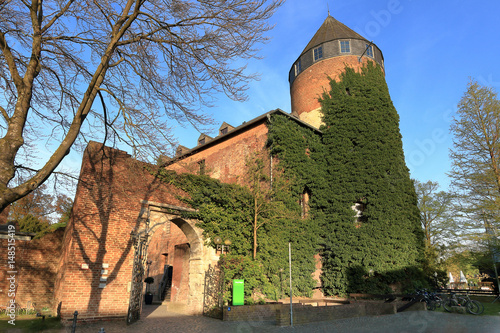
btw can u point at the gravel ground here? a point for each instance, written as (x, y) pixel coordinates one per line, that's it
(159, 319)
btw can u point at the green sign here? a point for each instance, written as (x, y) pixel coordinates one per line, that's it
(238, 292)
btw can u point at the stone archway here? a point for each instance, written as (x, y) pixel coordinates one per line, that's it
(200, 257)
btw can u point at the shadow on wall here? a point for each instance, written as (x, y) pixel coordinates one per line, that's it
(107, 208)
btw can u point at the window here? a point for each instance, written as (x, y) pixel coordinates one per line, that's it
(201, 141)
(318, 53)
(345, 47)
(223, 131)
(298, 67)
(201, 165)
(369, 50)
(359, 207)
(304, 203)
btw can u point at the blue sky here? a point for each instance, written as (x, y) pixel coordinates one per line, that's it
(431, 48)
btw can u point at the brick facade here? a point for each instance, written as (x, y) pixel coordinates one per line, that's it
(36, 262)
(225, 160)
(4, 215)
(96, 263)
(310, 84)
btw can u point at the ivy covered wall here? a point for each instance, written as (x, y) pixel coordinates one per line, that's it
(226, 210)
(362, 198)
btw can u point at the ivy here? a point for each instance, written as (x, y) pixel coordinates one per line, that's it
(357, 158)
(225, 210)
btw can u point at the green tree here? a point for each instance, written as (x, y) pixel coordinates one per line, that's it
(475, 158)
(268, 195)
(372, 226)
(150, 62)
(30, 223)
(436, 214)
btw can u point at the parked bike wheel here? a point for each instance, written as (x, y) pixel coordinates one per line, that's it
(475, 307)
(448, 303)
(431, 305)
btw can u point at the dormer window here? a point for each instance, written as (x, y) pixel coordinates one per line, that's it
(318, 53)
(369, 50)
(225, 128)
(181, 150)
(203, 138)
(345, 46)
(298, 67)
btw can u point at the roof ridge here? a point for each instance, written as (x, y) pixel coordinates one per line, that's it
(331, 29)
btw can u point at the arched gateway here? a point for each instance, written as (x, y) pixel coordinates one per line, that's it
(180, 267)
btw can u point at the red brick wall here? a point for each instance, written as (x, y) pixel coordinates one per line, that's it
(4, 215)
(310, 84)
(36, 265)
(163, 251)
(106, 209)
(226, 160)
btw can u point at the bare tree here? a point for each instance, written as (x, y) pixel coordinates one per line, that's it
(148, 62)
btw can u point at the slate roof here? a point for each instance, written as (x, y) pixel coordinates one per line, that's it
(331, 29)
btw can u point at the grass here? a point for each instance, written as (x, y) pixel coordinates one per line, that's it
(30, 323)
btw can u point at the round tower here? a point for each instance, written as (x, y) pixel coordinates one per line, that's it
(332, 48)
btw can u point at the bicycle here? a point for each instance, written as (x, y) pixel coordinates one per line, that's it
(472, 306)
(432, 300)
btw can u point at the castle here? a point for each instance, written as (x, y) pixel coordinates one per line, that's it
(120, 209)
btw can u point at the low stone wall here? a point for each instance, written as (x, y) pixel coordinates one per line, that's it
(309, 314)
(264, 312)
(303, 313)
(34, 269)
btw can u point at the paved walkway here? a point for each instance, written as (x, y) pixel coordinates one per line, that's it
(163, 319)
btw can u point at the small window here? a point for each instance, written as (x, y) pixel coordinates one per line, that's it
(345, 47)
(223, 131)
(318, 53)
(359, 208)
(304, 203)
(201, 165)
(201, 141)
(298, 67)
(369, 50)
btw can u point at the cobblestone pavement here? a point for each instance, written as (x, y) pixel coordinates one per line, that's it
(161, 319)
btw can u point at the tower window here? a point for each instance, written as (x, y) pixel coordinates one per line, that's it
(345, 47)
(369, 50)
(359, 207)
(318, 53)
(298, 67)
(304, 203)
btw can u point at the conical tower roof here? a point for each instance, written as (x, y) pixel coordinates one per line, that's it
(331, 29)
